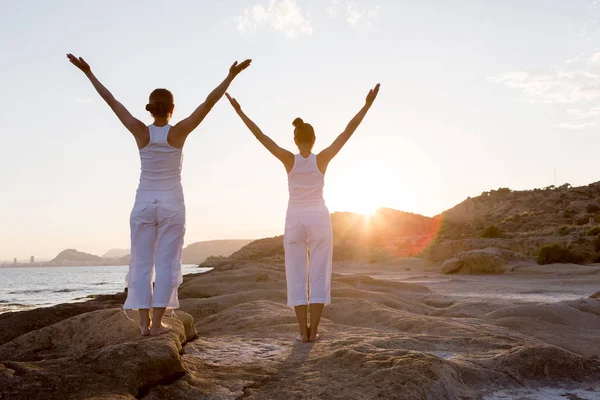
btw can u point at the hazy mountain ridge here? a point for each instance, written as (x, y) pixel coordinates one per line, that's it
(194, 253)
(116, 253)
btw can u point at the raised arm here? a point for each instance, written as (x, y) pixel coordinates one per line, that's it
(180, 131)
(286, 157)
(133, 125)
(325, 156)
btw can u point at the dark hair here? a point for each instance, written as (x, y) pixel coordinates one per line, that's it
(304, 133)
(161, 103)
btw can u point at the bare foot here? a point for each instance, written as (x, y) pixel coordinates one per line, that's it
(145, 330)
(313, 338)
(155, 331)
(302, 338)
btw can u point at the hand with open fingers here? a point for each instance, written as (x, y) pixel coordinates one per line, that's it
(372, 94)
(79, 62)
(234, 103)
(237, 68)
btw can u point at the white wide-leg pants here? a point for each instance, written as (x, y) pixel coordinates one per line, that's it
(157, 231)
(308, 245)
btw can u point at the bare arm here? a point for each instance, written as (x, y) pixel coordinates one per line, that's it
(286, 157)
(133, 125)
(180, 131)
(327, 154)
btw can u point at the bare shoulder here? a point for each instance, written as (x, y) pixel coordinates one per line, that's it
(288, 160)
(142, 136)
(323, 160)
(176, 136)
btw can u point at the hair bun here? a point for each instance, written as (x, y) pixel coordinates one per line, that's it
(298, 122)
(151, 107)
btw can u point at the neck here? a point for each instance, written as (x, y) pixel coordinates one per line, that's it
(305, 151)
(161, 121)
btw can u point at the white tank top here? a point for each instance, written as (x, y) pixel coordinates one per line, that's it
(161, 165)
(305, 184)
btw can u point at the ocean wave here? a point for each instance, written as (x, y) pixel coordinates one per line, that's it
(15, 307)
(29, 291)
(100, 283)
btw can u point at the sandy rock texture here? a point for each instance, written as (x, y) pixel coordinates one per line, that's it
(395, 330)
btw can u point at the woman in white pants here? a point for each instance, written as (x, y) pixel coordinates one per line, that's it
(307, 224)
(158, 217)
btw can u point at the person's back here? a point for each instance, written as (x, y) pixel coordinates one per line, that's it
(157, 219)
(161, 164)
(307, 223)
(305, 186)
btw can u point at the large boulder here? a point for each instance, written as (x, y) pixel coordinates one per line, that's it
(486, 261)
(452, 265)
(14, 324)
(489, 260)
(98, 354)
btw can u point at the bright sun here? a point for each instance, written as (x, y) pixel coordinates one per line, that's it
(362, 206)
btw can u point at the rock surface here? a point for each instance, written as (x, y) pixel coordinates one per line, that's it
(388, 338)
(452, 265)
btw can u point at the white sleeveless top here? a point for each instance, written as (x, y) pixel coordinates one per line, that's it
(305, 185)
(161, 165)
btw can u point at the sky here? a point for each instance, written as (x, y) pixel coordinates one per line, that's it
(475, 95)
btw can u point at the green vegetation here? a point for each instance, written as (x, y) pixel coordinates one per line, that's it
(597, 242)
(491, 232)
(555, 253)
(593, 231)
(564, 230)
(592, 208)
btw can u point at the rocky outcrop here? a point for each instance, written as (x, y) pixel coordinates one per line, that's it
(523, 222)
(452, 265)
(486, 261)
(99, 354)
(412, 342)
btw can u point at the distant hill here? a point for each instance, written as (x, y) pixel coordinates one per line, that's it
(73, 257)
(523, 221)
(196, 253)
(385, 234)
(115, 253)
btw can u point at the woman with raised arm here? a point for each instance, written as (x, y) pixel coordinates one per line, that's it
(307, 224)
(158, 217)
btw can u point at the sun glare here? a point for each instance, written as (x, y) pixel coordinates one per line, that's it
(362, 206)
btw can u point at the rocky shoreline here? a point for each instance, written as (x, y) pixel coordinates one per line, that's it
(233, 339)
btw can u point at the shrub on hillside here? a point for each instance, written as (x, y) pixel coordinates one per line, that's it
(569, 213)
(594, 231)
(582, 220)
(556, 253)
(596, 242)
(564, 230)
(592, 208)
(491, 231)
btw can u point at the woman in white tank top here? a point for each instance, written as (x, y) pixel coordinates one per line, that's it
(307, 224)
(158, 217)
